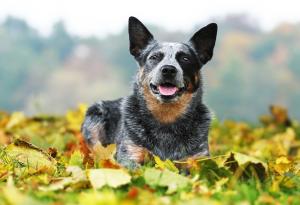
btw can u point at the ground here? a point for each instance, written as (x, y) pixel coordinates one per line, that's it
(44, 160)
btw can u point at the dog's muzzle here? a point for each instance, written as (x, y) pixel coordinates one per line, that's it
(167, 83)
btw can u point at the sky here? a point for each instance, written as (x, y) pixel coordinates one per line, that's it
(103, 17)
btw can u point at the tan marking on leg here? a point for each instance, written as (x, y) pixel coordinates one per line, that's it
(97, 132)
(136, 152)
(166, 112)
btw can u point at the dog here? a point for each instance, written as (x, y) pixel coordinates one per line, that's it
(164, 115)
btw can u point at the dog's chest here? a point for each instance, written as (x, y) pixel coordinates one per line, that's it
(172, 142)
(176, 140)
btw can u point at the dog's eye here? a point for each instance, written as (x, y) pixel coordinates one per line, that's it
(154, 57)
(185, 59)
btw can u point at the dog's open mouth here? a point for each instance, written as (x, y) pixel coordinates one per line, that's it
(166, 89)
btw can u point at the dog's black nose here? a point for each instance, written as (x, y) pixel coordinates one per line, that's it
(168, 70)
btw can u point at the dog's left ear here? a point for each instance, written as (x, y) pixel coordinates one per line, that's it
(139, 36)
(204, 40)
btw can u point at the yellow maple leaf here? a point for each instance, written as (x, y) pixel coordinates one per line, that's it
(103, 153)
(75, 117)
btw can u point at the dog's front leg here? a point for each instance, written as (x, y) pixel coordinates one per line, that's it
(203, 150)
(93, 125)
(130, 155)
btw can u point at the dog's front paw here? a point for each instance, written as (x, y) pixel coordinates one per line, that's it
(128, 163)
(131, 155)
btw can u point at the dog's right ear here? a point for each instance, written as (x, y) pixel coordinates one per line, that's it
(139, 36)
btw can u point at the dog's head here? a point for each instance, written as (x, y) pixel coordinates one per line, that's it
(170, 69)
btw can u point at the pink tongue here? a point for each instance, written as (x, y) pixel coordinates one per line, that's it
(167, 90)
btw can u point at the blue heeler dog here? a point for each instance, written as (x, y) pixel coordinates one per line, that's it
(164, 115)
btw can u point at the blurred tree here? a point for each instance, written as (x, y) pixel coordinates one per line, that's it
(61, 41)
(115, 50)
(250, 69)
(294, 63)
(19, 45)
(263, 48)
(223, 99)
(239, 22)
(22, 33)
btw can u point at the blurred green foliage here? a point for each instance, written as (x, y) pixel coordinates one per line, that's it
(251, 68)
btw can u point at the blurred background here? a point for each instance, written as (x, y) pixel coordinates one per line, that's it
(56, 54)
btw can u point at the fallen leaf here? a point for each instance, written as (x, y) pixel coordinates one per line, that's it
(103, 153)
(280, 115)
(282, 165)
(243, 164)
(32, 158)
(15, 119)
(76, 159)
(98, 198)
(4, 139)
(84, 150)
(166, 178)
(133, 193)
(110, 177)
(15, 197)
(75, 117)
(167, 164)
(206, 201)
(107, 163)
(77, 177)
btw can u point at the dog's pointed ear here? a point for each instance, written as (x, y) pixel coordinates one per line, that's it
(204, 40)
(139, 36)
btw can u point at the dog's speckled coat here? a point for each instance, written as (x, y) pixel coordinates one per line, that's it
(171, 127)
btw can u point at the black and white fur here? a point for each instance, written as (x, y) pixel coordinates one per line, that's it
(135, 123)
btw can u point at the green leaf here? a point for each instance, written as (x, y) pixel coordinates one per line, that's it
(78, 178)
(166, 178)
(76, 159)
(167, 164)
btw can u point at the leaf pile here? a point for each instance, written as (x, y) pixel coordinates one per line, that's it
(44, 160)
